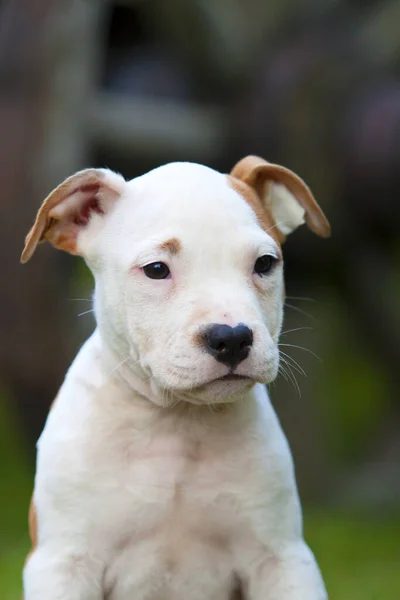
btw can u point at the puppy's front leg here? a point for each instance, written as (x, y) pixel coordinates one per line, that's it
(293, 574)
(58, 573)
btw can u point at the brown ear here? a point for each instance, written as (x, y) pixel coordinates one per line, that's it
(68, 209)
(284, 194)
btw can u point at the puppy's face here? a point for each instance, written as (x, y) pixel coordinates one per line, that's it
(189, 280)
(188, 269)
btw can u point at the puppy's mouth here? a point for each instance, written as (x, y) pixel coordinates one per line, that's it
(231, 377)
(220, 389)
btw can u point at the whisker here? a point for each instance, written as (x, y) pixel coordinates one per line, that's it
(282, 365)
(296, 329)
(166, 390)
(303, 298)
(86, 312)
(295, 364)
(120, 364)
(300, 310)
(282, 372)
(292, 377)
(210, 407)
(305, 350)
(276, 225)
(176, 403)
(80, 299)
(289, 378)
(295, 382)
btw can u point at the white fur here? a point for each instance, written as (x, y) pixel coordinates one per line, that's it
(154, 481)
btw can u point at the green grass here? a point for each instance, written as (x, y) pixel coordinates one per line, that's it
(15, 489)
(359, 555)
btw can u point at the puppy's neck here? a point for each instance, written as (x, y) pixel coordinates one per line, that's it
(120, 366)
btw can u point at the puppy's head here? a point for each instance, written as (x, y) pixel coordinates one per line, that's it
(188, 268)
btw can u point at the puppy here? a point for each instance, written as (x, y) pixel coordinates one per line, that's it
(162, 471)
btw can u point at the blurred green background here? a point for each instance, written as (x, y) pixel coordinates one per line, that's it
(132, 84)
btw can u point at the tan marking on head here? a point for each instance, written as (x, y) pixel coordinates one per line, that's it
(172, 246)
(253, 200)
(261, 176)
(67, 209)
(46, 225)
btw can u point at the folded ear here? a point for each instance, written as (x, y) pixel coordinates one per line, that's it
(283, 194)
(70, 207)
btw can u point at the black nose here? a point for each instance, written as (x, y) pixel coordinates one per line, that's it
(229, 345)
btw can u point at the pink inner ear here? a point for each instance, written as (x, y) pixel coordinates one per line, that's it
(90, 206)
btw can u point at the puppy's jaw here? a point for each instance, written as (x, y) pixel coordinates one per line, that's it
(200, 379)
(213, 390)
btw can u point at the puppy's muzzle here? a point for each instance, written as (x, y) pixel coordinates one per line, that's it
(228, 345)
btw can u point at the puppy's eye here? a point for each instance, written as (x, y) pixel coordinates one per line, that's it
(156, 270)
(264, 264)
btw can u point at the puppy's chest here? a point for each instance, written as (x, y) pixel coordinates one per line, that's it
(169, 474)
(175, 498)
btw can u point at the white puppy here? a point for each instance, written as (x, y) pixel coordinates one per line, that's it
(162, 472)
